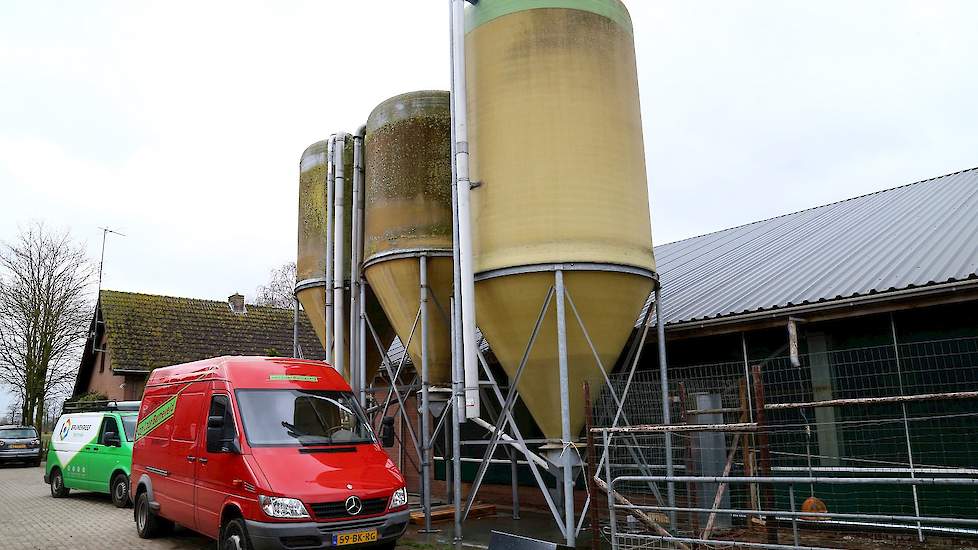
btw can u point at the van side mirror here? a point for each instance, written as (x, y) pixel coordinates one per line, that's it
(111, 439)
(215, 422)
(387, 431)
(217, 440)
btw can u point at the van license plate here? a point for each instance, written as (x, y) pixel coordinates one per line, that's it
(18, 446)
(355, 537)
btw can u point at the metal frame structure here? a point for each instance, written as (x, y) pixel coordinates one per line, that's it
(562, 509)
(473, 383)
(423, 446)
(795, 517)
(764, 505)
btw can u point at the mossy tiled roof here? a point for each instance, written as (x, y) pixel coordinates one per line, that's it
(147, 331)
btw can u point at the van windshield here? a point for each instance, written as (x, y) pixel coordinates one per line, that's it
(302, 417)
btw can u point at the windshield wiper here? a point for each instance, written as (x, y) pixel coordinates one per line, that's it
(299, 434)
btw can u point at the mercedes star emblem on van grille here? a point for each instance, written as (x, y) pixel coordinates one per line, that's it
(353, 505)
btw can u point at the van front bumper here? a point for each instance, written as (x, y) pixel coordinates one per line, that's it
(312, 534)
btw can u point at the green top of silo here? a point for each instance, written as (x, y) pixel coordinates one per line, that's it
(487, 10)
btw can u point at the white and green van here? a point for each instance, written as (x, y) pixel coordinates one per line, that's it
(91, 449)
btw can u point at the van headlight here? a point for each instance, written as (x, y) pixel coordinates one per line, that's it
(399, 498)
(281, 507)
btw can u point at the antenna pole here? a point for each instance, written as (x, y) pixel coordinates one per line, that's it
(101, 262)
(98, 293)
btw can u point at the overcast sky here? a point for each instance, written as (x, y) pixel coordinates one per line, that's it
(180, 124)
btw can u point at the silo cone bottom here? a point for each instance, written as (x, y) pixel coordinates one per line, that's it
(313, 302)
(508, 307)
(397, 285)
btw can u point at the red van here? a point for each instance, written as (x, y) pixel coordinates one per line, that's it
(262, 452)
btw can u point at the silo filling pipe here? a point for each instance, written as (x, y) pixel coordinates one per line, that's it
(464, 218)
(328, 271)
(339, 209)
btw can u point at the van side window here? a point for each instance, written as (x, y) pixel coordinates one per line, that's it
(109, 426)
(219, 437)
(151, 404)
(186, 416)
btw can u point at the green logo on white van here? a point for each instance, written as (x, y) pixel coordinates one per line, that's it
(292, 378)
(154, 419)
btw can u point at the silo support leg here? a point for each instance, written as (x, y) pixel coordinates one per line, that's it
(522, 446)
(387, 363)
(635, 450)
(426, 434)
(505, 416)
(566, 437)
(393, 377)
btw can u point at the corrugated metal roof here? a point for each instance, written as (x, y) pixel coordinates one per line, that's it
(920, 234)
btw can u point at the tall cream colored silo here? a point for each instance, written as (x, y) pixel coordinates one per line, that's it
(555, 141)
(311, 256)
(408, 214)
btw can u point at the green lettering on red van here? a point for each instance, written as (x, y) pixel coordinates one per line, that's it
(156, 418)
(292, 378)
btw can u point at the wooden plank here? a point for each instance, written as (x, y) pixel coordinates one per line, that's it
(654, 428)
(447, 513)
(873, 400)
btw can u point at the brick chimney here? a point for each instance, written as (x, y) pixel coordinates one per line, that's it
(236, 303)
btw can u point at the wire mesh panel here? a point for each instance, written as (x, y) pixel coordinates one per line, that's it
(863, 427)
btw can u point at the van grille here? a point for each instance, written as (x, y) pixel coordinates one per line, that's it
(373, 523)
(337, 509)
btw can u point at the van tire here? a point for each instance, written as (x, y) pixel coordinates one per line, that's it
(58, 489)
(119, 488)
(148, 524)
(234, 536)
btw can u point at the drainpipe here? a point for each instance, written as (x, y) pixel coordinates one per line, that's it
(339, 223)
(660, 331)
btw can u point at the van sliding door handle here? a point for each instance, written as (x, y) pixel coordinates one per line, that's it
(202, 460)
(191, 458)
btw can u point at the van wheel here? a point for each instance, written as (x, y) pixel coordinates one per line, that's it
(148, 524)
(58, 489)
(234, 536)
(120, 490)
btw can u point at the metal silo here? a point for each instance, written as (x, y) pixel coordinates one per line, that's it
(311, 257)
(408, 222)
(315, 245)
(560, 202)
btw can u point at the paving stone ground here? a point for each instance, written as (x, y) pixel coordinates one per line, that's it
(31, 519)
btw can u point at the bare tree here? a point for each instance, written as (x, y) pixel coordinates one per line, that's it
(44, 315)
(278, 291)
